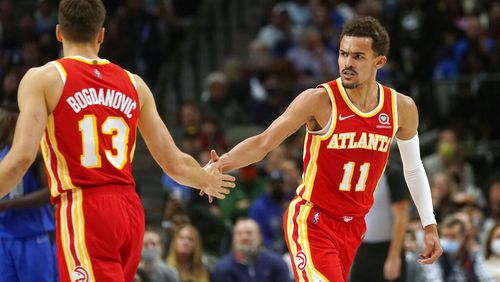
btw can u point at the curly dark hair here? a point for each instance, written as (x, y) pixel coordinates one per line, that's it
(368, 27)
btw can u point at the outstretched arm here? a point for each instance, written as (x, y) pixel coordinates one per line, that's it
(178, 165)
(29, 129)
(304, 108)
(415, 176)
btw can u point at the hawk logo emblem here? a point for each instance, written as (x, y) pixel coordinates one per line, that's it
(80, 274)
(301, 260)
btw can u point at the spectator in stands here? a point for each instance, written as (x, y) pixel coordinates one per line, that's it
(459, 263)
(279, 33)
(45, 16)
(268, 209)
(250, 186)
(299, 12)
(217, 103)
(449, 158)
(141, 276)
(416, 272)
(186, 253)
(312, 59)
(249, 261)
(293, 175)
(442, 191)
(330, 33)
(151, 261)
(273, 161)
(212, 136)
(10, 84)
(493, 202)
(492, 254)
(472, 217)
(190, 119)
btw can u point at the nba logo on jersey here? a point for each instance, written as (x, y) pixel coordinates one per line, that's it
(97, 73)
(80, 274)
(316, 218)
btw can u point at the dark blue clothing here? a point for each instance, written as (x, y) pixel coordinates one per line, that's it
(17, 223)
(27, 250)
(28, 259)
(267, 267)
(269, 216)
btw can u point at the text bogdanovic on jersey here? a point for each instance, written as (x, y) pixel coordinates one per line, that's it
(344, 161)
(96, 117)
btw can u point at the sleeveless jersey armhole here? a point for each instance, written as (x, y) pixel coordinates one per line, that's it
(395, 117)
(132, 79)
(330, 126)
(60, 70)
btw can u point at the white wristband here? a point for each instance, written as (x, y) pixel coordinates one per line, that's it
(416, 179)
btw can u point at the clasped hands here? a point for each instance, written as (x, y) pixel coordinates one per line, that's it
(219, 183)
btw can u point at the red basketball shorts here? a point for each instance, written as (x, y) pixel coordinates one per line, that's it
(99, 234)
(322, 248)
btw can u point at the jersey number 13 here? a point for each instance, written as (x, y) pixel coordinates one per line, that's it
(114, 126)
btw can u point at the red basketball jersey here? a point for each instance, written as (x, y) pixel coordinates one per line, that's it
(344, 162)
(90, 136)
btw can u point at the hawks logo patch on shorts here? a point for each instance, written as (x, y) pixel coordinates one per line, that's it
(301, 260)
(80, 274)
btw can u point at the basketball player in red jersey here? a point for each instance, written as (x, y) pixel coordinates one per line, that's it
(350, 122)
(87, 110)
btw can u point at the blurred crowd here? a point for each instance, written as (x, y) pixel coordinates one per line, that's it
(444, 53)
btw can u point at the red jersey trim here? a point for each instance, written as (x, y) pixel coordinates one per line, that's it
(72, 231)
(312, 168)
(47, 157)
(62, 173)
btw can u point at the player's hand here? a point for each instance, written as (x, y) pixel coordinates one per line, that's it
(392, 268)
(218, 183)
(213, 159)
(433, 248)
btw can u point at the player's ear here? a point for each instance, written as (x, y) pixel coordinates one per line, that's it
(58, 33)
(380, 61)
(100, 35)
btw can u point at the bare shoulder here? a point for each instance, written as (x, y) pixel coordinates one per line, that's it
(316, 96)
(142, 90)
(407, 117)
(315, 92)
(405, 102)
(43, 75)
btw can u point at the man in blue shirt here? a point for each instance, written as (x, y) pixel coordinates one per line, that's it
(250, 262)
(27, 252)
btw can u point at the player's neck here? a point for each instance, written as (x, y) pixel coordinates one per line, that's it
(86, 50)
(365, 96)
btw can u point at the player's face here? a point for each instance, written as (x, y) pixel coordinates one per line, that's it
(358, 63)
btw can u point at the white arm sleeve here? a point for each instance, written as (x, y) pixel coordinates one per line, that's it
(416, 179)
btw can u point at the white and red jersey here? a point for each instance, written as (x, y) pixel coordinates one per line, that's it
(90, 136)
(345, 160)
